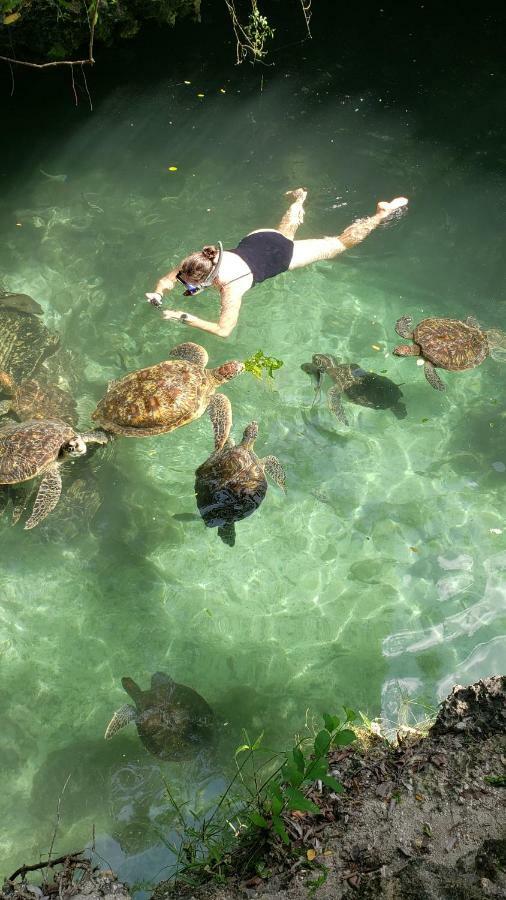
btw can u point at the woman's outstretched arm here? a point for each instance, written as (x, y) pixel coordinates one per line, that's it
(230, 298)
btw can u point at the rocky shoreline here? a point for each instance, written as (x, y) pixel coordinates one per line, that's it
(424, 818)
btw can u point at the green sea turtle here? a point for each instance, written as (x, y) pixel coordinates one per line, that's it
(167, 395)
(172, 720)
(24, 340)
(38, 447)
(35, 399)
(231, 484)
(359, 386)
(445, 344)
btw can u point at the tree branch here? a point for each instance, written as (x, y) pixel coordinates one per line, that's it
(63, 62)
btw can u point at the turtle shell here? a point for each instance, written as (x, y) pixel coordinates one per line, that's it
(27, 448)
(156, 399)
(35, 399)
(172, 720)
(451, 344)
(369, 389)
(24, 342)
(229, 486)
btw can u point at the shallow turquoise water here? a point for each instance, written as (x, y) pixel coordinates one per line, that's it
(379, 575)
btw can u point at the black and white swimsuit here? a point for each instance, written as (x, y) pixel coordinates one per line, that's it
(266, 253)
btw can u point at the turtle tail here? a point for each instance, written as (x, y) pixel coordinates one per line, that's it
(227, 533)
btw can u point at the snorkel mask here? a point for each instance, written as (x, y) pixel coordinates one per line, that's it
(192, 289)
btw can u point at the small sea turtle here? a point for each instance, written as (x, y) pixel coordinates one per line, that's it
(172, 720)
(38, 447)
(24, 340)
(34, 399)
(359, 386)
(170, 394)
(443, 343)
(231, 484)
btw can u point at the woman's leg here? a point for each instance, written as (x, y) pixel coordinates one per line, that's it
(294, 215)
(306, 252)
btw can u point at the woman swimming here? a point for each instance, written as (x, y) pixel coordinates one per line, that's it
(260, 255)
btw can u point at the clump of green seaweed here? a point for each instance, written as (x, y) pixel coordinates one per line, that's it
(259, 363)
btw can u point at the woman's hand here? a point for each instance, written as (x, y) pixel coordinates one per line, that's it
(173, 314)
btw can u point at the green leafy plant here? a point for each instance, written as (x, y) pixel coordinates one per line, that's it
(254, 811)
(259, 363)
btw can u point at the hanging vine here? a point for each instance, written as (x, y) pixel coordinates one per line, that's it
(252, 36)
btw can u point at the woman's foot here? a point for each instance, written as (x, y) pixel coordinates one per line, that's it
(385, 209)
(297, 194)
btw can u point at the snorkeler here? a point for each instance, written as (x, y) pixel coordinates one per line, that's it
(261, 254)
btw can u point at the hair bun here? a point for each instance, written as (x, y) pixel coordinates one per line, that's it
(209, 252)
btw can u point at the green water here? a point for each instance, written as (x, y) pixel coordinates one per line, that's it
(379, 574)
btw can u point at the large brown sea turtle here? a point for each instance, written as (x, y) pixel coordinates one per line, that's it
(38, 447)
(36, 399)
(444, 343)
(172, 720)
(170, 394)
(231, 484)
(24, 340)
(359, 386)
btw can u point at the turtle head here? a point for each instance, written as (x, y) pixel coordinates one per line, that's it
(133, 690)
(324, 361)
(406, 350)
(75, 447)
(228, 370)
(250, 435)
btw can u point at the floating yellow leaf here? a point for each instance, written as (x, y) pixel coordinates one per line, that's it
(222, 91)
(200, 95)
(375, 347)
(187, 82)
(19, 225)
(311, 854)
(172, 169)
(9, 20)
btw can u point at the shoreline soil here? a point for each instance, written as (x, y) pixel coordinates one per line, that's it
(424, 819)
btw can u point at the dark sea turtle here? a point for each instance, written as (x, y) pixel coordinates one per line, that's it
(445, 344)
(38, 447)
(36, 399)
(231, 484)
(24, 340)
(170, 394)
(172, 720)
(357, 385)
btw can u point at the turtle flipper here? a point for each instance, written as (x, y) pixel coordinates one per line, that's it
(5, 407)
(97, 436)
(432, 376)
(220, 413)
(121, 717)
(20, 499)
(274, 468)
(227, 533)
(316, 375)
(335, 404)
(47, 496)
(404, 327)
(190, 352)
